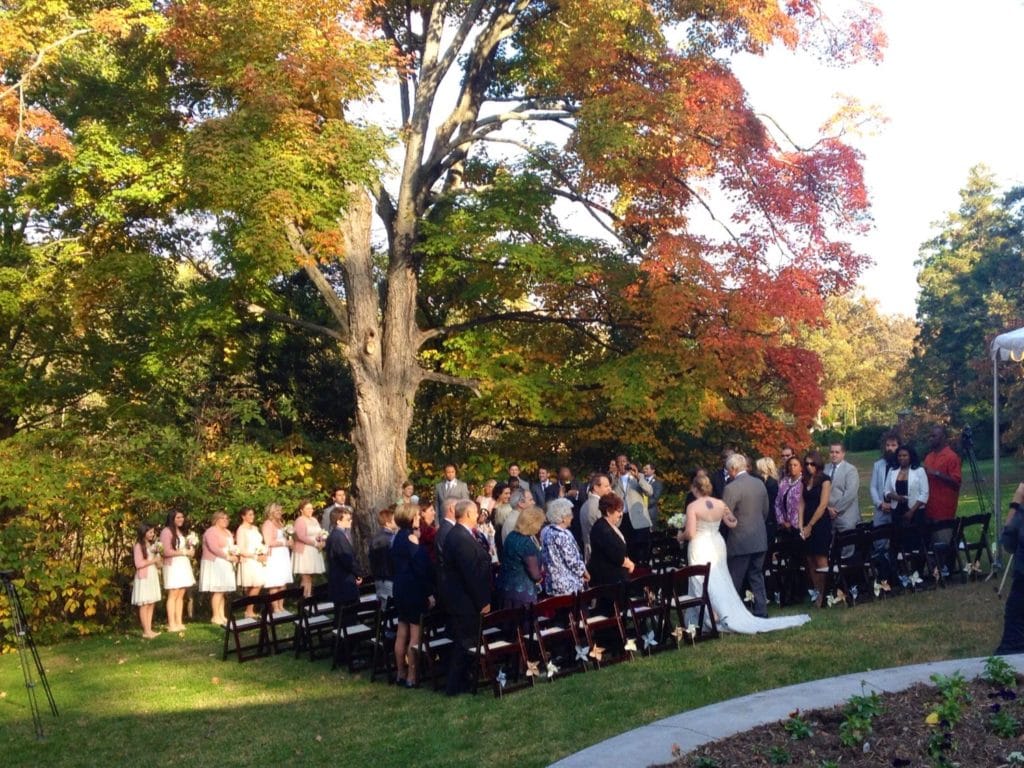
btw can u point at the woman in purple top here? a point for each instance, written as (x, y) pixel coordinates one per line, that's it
(787, 503)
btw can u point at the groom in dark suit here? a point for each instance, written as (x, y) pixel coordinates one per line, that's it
(747, 497)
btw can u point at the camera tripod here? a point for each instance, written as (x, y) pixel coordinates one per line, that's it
(967, 446)
(27, 648)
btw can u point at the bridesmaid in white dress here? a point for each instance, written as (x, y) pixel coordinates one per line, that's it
(307, 557)
(252, 561)
(217, 568)
(279, 561)
(146, 585)
(704, 515)
(178, 575)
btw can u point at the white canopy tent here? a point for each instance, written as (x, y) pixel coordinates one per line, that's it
(1006, 346)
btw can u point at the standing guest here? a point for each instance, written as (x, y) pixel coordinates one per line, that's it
(944, 471)
(485, 502)
(339, 498)
(657, 489)
(564, 570)
(380, 546)
(636, 522)
(890, 444)
(906, 489)
(815, 522)
(600, 486)
(516, 482)
(786, 454)
(525, 501)
(787, 500)
(307, 558)
(545, 489)
(408, 494)
(467, 593)
(1012, 540)
(698, 472)
(146, 584)
(769, 475)
(450, 487)
(747, 499)
(428, 531)
(520, 571)
(343, 577)
(575, 492)
(217, 566)
(843, 507)
(178, 575)
(414, 588)
(502, 508)
(486, 534)
(252, 558)
(279, 562)
(721, 478)
(445, 525)
(609, 562)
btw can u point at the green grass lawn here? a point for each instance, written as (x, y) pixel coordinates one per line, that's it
(171, 701)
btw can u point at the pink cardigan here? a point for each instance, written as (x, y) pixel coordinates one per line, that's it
(142, 563)
(215, 543)
(302, 537)
(167, 539)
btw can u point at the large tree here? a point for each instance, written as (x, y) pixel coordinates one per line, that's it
(509, 116)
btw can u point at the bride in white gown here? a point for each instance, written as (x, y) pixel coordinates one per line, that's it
(703, 518)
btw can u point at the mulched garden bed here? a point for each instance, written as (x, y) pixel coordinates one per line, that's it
(973, 724)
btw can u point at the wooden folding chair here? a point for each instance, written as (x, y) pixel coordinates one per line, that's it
(277, 621)
(600, 612)
(845, 576)
(384, 633)
(315, 623)
(941, 542)
(683, 599)
(648, 601)
(240, 625)
(554, 625)
(911, 555)
(353, 630)
(501, 652)
(975, 543)
(434, 647)
(881, 565)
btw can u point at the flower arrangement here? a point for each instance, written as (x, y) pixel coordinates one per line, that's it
(233, 550)
(260, 550)
(677, 521)
(321, 538)
(156, 549)
(289, 531)
(192, 540)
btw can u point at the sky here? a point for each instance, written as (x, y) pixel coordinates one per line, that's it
(950, 88)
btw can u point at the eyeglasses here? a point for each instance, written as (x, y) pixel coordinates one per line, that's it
(810, 464)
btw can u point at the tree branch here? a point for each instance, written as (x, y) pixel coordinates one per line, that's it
(258, 311)
(326, 290)
(458, 381)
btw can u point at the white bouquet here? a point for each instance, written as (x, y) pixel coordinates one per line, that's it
(260, 550)
(677, 521)
(322, 537)
(156, 549)
(289, 531)
(233, 550)
(192, 540)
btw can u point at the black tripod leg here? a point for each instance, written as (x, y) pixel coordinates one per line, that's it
(26, 647)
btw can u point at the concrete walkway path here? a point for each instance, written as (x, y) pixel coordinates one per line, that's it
(653, 743)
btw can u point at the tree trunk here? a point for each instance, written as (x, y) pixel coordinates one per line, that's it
(382, 353)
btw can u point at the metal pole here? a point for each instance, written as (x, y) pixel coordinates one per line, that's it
(997, 502)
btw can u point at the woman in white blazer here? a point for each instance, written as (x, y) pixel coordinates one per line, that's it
(906, 488)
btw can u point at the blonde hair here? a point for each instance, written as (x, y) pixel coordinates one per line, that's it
(272, 509)
(405, 514)
(217, 516)
(766, 467)
(701, 485)
(530, 521)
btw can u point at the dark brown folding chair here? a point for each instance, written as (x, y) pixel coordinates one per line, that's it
(600, 611)
(385, 629)
(941, 542)
(240, 626)
(682, 599)
(974, 544)
(282, 626)
(316, 623)
(554, 626)
(501, 652)
(353, 632)
(648, 600)
(435, 646)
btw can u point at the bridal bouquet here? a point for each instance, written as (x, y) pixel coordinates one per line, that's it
(321, 538)
(260, 550)
(677, 521)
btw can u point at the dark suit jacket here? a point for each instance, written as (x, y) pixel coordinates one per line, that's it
(342, 569)
(466, 574)
(444, 527)
(719, 479)
(747, 497)
(607, 551)
(541, 496)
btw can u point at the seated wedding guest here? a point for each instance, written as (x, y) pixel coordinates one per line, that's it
(251, 558)
(1012, 540)
(278, 572)
(343, 576)
(307, 558)
(380, 544)
(428, 531)
(564, 571)
(178, 575)
(414, 587)
(520, 565)
(217, 567)
(146, 584)
(608, 562)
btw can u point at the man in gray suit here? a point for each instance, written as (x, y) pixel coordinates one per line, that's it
(636, 522)
(842, 500)
(600, 485)
(747, 544)
(451, 487)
